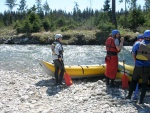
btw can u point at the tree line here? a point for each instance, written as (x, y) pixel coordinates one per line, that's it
(40, 17)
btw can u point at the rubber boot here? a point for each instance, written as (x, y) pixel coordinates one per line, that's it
(107, 81)
(61, 77)
(112, 83)
(56, 79)
(143, 92)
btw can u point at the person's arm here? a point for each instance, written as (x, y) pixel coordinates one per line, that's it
(134, 56)
(134, 50)
(119, 46)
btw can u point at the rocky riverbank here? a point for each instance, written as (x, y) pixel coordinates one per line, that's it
(23, 93)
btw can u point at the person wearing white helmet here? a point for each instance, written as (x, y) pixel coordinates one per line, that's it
(141, 56)
(57, 55)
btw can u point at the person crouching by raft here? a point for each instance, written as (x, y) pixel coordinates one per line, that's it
(57, 55)
(113, 47)
(141, 55)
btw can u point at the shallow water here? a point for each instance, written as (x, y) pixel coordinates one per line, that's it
(25, 58)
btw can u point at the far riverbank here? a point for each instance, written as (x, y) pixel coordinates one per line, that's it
(70, 37)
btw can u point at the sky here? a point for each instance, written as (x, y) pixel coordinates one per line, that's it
(68, 5)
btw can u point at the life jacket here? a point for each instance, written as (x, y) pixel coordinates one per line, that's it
(111, 47)
(53, 48)
(143, 53)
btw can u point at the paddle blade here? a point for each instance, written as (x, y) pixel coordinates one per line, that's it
(68, 79)
(125, 84)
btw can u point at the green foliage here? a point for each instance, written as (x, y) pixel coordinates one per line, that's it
(36, 26)
(141, 29)
(40, 17)
(18, 27)
(121, 21)
(135, 18)
(103, 17)
(65, 28)
(27, 27)
(53, 27)
(1, 24)
(32, 23)
(60, 22)
(46, 24)
(106, 5)
(147, 20)
(105, 27)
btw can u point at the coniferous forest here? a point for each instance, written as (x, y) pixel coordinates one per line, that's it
(41, 18)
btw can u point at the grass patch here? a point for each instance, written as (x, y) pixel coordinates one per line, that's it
(77, 36)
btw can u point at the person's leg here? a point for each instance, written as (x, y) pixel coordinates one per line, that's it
(112, 83)
(107, 80)
(107, 71)
(131, 88)
(135, 77)
(62, 70)
(114, 66)
(143, 92)
(56, 71)
(145, 78)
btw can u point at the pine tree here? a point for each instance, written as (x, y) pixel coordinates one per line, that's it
(11, 4)
(46, 8)
(22, 6)
(106, 5)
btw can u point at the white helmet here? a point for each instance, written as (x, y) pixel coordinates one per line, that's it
(57, 36)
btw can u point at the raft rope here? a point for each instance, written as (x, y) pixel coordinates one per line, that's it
(82, 69)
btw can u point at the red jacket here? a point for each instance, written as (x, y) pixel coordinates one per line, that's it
(110, 45)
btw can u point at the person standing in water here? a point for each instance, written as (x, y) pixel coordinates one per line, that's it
(57, 55)
(113, 47)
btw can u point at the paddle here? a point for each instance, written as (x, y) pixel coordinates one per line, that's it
(124, 76)
(67, 77)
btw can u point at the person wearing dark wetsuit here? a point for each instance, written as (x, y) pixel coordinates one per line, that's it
(141, 56)
(57, 55)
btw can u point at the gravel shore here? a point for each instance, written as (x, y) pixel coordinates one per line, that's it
(23, 93)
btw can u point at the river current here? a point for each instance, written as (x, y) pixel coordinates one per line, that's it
(25, 58)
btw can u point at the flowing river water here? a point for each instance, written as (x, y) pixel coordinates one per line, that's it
(25, 58)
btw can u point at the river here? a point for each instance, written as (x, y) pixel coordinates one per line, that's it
(25, 58)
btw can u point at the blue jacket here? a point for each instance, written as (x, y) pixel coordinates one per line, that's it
(135, 48)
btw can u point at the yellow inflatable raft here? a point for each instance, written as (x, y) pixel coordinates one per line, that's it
(76, 71)
(80, 71)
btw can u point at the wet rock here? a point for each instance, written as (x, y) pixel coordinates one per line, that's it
(24, 93)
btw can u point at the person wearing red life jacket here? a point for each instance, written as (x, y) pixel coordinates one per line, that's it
(113, 47)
